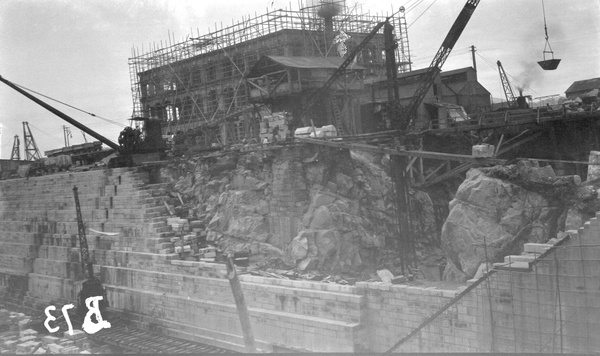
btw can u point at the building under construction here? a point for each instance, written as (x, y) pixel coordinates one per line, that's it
(214, 82)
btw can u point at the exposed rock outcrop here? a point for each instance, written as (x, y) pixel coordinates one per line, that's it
(497, 210)
(309, 207)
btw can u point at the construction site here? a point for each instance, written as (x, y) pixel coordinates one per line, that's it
(289, 183)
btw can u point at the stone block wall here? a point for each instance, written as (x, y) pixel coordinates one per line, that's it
(541, 303)
(287, 314)
(545, 304)
(39, 231)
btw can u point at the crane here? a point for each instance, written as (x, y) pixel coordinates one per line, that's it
(129, 141)
(311, 99)
(409, 113)
(16, 150)
(508, 92)
(60, 114)
(92, 287)
(31, 150)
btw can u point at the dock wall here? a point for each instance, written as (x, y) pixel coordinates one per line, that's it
(548, 303)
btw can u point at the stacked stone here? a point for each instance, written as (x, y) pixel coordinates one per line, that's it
(16, 337)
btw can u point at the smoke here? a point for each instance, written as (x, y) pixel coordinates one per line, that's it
(330, 8)
(529, 74)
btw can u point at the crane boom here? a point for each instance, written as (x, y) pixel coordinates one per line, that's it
(83, 245)
(508, 92)
(63, 116)
(436, 64)
(311, 99)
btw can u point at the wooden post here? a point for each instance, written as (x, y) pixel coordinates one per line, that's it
(240, 304)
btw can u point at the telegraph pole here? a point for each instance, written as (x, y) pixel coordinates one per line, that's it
(473, 55)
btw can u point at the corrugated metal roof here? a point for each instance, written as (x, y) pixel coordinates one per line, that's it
(313, 62)
(456, 71)
(442, 104)
(584, 85)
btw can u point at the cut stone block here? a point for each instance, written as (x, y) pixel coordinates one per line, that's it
(77, 334)
(519, 258)
(55, 348)
(28, 332)
(536, 248)
(50, 340)
(26, 338)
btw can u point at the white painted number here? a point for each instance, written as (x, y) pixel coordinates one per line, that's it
(88, 325)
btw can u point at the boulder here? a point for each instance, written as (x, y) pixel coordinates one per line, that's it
(299, 247)
(328, 244)
(492, 216)
(531, 171)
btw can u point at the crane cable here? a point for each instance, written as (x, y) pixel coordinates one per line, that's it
(418, 17)
(71, 106)
(516, 80)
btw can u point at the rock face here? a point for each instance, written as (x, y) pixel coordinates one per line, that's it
(309, 207)
(494, 215)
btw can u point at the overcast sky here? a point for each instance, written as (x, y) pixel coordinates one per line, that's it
(77, 51)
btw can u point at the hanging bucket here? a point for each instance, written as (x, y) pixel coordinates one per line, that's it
(549, 64)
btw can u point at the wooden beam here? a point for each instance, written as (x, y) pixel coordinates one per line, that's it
(451, 173)
(435, 171)
(423, 154)
(410, 163)
(562, 161)
(240, 304)
(519, 143)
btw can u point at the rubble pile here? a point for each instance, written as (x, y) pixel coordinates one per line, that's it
(497, 210)
(304, 208)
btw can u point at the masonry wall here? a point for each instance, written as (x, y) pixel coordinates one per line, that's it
(544, 301)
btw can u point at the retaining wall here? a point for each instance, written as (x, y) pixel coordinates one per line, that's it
(543, 302)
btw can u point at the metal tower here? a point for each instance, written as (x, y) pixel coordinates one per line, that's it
(16, 150)
(404, 62)
(31, 151)
(511, 101)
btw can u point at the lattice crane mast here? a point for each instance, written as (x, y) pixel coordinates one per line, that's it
(16, 150)
(92, 286)
(31, 150)
(508, 92)
(410, 111)
(312, 97)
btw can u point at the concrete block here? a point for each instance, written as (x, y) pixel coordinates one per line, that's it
(11, 344)
(50, 340)
(40, 351)
(27, 347)
(67, 343)
(26, 338)
(23, 323)
(536, 248)
(77, 334)
(519, 258)
(28, 332)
